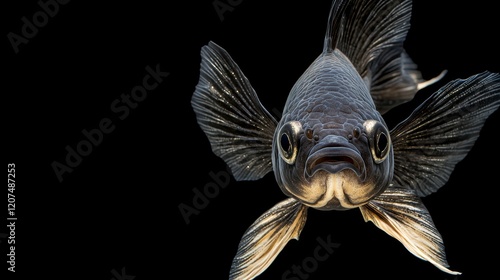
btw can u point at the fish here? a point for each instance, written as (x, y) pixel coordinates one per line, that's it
(331, 149)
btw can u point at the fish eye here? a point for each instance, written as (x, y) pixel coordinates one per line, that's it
(288, 141)
(379, 139)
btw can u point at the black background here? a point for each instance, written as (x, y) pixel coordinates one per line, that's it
(119, 208)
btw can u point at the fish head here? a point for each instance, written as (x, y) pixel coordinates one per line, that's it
(332, 152)
(333, 169)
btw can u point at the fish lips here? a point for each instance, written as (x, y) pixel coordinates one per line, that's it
(334, 157)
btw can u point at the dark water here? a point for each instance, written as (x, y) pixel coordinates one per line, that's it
(107, 150)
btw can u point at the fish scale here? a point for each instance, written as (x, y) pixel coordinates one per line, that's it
(327, 82)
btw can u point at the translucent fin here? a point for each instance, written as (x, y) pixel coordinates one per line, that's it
(395, 80)
(228, 110)
(266, 237)
(442, 130)
(402, 215)
(371, 34)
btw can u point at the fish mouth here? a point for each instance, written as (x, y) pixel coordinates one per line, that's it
(334, 157)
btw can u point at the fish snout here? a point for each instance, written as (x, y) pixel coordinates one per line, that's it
(334, 154)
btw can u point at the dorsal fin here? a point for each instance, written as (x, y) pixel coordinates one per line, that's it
(371, 34)
(334, 27)
(363, 29)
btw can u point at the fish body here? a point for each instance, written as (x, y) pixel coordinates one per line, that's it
(337, 127)
(331, 149)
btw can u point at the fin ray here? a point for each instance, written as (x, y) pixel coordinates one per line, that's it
(371, 34)
(239, 128)
(266, 237)
(442, 130)
(402, 215)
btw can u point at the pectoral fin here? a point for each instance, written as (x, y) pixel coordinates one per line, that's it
(266, 237)
(239, 128)
(402, 215)
(442, 130)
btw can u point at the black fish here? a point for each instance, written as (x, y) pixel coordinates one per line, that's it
(332, 149)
